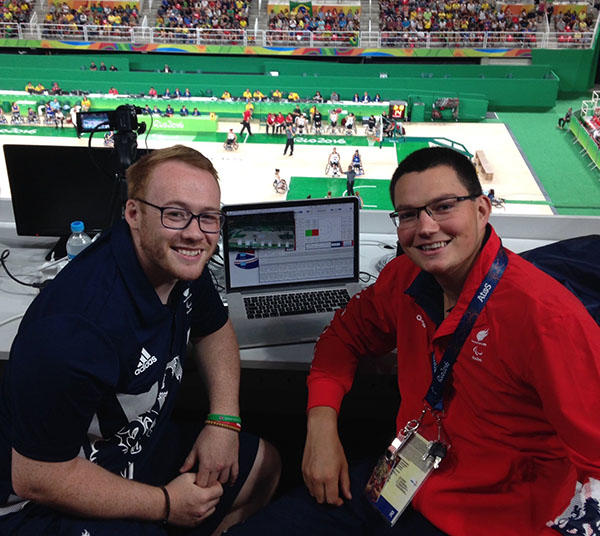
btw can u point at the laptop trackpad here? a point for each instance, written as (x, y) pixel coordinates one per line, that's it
(280, 330)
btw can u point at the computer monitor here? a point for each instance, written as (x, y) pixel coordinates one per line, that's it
(51, 186)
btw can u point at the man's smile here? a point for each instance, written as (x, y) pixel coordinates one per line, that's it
(434, 246)
(188, 252)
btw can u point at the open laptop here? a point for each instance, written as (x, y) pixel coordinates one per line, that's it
(288, 266)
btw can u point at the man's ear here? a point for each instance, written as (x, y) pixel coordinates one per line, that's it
(484, 208)
(132, 214)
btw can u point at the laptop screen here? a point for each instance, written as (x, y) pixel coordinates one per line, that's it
(291, 243)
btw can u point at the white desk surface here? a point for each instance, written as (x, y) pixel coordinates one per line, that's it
(27, 254)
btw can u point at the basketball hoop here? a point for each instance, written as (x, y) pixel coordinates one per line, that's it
(372, 140)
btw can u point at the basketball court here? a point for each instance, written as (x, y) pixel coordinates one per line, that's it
(247, 174)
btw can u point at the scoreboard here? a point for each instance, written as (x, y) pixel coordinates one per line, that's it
(398, 109)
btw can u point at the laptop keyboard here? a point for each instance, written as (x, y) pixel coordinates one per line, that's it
(296, 303)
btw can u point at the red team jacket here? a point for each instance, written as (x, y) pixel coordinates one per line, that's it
(522, 411)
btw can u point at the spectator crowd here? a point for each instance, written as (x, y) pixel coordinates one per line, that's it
(325, 21)
(402, 23)
(95, 13)
(18, 11)
(572, 25)
(407, 23)
(203, 14)
(413, 19)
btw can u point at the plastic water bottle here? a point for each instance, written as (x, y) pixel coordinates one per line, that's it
(78, 240)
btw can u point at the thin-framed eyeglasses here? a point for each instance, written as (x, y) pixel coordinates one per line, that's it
(177, 218)
(439, 210)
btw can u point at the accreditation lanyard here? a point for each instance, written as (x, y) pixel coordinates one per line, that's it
(410, 458)
(441, 371)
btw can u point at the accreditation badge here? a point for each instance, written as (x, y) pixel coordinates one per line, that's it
(409, 460)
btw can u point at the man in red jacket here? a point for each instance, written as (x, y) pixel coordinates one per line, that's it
(246, 121)
(280, 123)
(516, 411)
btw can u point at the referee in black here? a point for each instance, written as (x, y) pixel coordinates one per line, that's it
(350, 176)
(290, 132)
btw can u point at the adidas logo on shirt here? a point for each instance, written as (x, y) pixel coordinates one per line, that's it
(146, 361)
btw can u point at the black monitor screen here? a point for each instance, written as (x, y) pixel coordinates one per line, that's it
(52, 186)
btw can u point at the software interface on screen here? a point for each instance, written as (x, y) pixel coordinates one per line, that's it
(290, 244)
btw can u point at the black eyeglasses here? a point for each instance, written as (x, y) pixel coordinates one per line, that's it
(179, 218)
(439, 210)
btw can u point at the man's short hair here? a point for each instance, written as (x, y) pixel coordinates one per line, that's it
(137, 174)
(431, 157)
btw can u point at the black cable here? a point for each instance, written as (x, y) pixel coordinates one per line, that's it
(369, 276)
(3, 257)
(218, 285)
(96, 165)
(218, 260)
(115, 192)
(148, 131)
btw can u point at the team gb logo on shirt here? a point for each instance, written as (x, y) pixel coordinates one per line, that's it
(187, 300)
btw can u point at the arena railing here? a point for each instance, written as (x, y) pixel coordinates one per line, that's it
(298, 39)
(10, 30)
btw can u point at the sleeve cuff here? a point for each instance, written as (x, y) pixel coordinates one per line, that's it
(325, 392)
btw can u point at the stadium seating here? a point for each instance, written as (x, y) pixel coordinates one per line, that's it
(16, 11)
(203, 14)
(480, 24)
(405, 23)
(72, 14)
(326, 22)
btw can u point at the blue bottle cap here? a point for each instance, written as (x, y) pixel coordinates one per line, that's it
(77, 226)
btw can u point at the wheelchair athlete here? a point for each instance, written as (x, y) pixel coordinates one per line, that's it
(357, 163)
(231, 143)
(280, 185)
(333, 164)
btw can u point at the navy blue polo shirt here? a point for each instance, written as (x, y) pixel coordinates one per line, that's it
(98, 360)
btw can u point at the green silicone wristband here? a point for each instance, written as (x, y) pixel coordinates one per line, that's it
(224, 418)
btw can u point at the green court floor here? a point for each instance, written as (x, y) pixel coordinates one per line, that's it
(571, 186)
(373, 192)
(404, 149)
